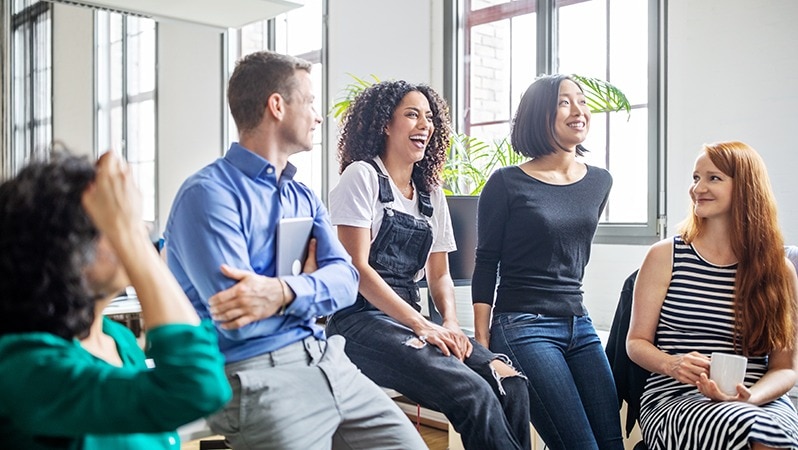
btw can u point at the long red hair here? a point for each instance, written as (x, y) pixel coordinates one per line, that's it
(764, 307)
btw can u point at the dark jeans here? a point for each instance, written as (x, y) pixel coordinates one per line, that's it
(488, 414)
(572, 397)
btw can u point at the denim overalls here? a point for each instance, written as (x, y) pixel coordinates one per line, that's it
(401, 247)
(488, 414)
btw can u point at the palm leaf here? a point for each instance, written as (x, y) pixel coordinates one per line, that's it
(603, 96)
(349, 92)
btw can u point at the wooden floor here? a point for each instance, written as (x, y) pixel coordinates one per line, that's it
(436, 439)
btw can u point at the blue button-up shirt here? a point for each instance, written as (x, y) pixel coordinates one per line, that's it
(227, 213)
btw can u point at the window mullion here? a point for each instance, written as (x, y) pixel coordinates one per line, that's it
(546, 36)
(124, 93)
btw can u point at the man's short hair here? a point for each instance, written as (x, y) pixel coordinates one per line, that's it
(256, 77)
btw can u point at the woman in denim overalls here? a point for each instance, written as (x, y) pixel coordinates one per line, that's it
(393, 219)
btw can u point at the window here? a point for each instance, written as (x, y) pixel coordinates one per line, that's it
(31, 82)
(506, 44)
(300, 33)
(125, 93)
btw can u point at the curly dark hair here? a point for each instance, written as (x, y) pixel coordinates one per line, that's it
(363, 134)
(46, 241)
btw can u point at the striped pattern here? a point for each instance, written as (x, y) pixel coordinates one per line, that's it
(697, 315)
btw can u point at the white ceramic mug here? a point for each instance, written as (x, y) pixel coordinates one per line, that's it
(727, 371)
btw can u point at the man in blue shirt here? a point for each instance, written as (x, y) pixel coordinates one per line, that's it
(292, 389)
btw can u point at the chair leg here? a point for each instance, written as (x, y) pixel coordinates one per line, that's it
(213, 444)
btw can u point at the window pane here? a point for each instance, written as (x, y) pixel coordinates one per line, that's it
(491, 133)
(254, 37)
(524, 59)
(141, 131)
(126, 107)
(629, 48)
(479, 4)
(144, 175)
(490, 73)
(629, 166)
(582, 39)
(30, 106)
(299, 31)
(140, 55)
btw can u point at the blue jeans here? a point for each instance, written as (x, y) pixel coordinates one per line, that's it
(572, 399)
(487, 412)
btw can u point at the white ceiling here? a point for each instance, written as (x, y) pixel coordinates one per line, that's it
(216, 13)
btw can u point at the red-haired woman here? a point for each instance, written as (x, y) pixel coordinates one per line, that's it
(724, 285)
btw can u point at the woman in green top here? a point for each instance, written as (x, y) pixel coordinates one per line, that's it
(71, 238)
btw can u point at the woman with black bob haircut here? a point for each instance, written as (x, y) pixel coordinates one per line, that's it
(393, 219)
(71, 239)
(535, 226)
(537, 136)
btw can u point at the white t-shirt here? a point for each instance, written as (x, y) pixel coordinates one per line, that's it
(355, 202)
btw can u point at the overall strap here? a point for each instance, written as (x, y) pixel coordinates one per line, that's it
(424, 204)
(386, 196)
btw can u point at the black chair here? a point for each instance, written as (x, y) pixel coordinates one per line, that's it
(630, 379)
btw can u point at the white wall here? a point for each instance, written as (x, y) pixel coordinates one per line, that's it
(733, 73)
(73, 75)
(189, 105)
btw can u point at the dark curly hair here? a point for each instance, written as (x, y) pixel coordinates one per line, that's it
(46, 241)
(363, 134)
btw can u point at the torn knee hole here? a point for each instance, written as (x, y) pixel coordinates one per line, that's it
(503, 370)
(415, 342)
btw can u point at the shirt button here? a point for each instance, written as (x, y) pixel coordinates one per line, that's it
(270, 170)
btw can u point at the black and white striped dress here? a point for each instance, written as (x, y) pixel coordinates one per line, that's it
(697, 316)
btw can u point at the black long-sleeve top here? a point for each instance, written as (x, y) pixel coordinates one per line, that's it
(538, 235)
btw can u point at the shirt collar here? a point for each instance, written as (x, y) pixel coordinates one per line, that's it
(253, 165)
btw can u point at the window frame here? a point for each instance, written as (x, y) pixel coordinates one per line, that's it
(17, 154)
(458, 20)
(126, 99)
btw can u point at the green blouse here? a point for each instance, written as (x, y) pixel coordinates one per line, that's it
(55, 394)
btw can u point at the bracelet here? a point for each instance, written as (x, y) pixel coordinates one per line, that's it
(283, 304)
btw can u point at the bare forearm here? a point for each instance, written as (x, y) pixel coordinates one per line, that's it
(442, 291)
(482, 316)
(772, 385)
(647, 356)
(162, 300)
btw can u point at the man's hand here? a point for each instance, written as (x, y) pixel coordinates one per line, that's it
(252, 298)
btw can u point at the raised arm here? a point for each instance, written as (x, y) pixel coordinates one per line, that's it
(77, 395)
(114, 205)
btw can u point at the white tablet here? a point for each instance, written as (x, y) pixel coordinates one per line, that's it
(293, 236)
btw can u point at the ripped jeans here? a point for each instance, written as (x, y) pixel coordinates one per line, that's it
(488, 412)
